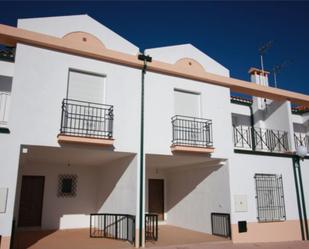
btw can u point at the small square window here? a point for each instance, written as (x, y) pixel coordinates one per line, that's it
(67, 185)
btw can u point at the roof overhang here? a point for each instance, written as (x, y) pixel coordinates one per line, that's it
(11, 36)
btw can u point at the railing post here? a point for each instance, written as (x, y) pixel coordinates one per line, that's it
(116, 227)
(157, 228)
(104, 227)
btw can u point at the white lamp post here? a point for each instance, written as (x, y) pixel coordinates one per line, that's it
(301, 151)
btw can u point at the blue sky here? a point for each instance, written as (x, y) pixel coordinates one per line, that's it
(229, 32)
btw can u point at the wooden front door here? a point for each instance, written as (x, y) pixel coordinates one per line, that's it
(31, 201)
(156, 197)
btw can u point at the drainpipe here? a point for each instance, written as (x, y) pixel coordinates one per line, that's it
(252, 127)
(145, 59)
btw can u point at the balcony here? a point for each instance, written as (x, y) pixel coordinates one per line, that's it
(301, 139)
(259, 139)
(4, 108)
(85, 122)
(192, 135)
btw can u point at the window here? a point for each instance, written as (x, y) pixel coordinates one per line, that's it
(86, 87)
(67, 185)
(270, 197)
(5, 94)
(187, 103)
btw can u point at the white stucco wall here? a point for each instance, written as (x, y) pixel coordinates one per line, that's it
(240, 109)
(6, 68)
(243, 168)
(278, 116)
(121, 178)
(159, 109)
(193, 194)
(59, 26)
(39, 88)
(171, 54)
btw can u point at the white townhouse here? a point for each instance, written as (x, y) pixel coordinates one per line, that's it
(102, 141)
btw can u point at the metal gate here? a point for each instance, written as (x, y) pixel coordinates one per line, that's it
(151, 227)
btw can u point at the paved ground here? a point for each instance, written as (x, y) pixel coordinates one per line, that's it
(65, 239)
(79, 239)
(171, 235)
(220, 245)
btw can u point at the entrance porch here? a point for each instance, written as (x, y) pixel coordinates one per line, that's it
(59, 188)
(186, 190)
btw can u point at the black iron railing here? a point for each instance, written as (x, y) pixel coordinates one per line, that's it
(221, 224)
(151, 227)
(301, 139)
(85, 119)
(189, 131)
(246, 137)
(113, 226)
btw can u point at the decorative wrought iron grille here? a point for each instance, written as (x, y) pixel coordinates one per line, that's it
(151, 227)
(67, 185)
(301, 139)
(189, 131)
(260, 139)
(269, 197)
(85, 119)
(221, 224)
(114, 226)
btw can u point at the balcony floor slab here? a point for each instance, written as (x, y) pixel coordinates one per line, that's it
(85, 140)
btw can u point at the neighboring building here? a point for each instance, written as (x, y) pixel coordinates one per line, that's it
(70, 140)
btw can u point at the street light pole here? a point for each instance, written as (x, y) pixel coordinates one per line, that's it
(296, 162)
(145, 59)
(303, 199)
(301, 152)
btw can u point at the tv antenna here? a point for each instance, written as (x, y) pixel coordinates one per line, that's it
(262, 50)
(278, 68)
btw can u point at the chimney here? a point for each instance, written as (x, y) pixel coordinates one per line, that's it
(259, 77)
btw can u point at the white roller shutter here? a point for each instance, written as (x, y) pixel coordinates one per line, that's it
(86, 87)
(187, 103)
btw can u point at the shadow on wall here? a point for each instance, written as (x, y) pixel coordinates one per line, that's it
(181, 183)
(272, 108)
(110, 198)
